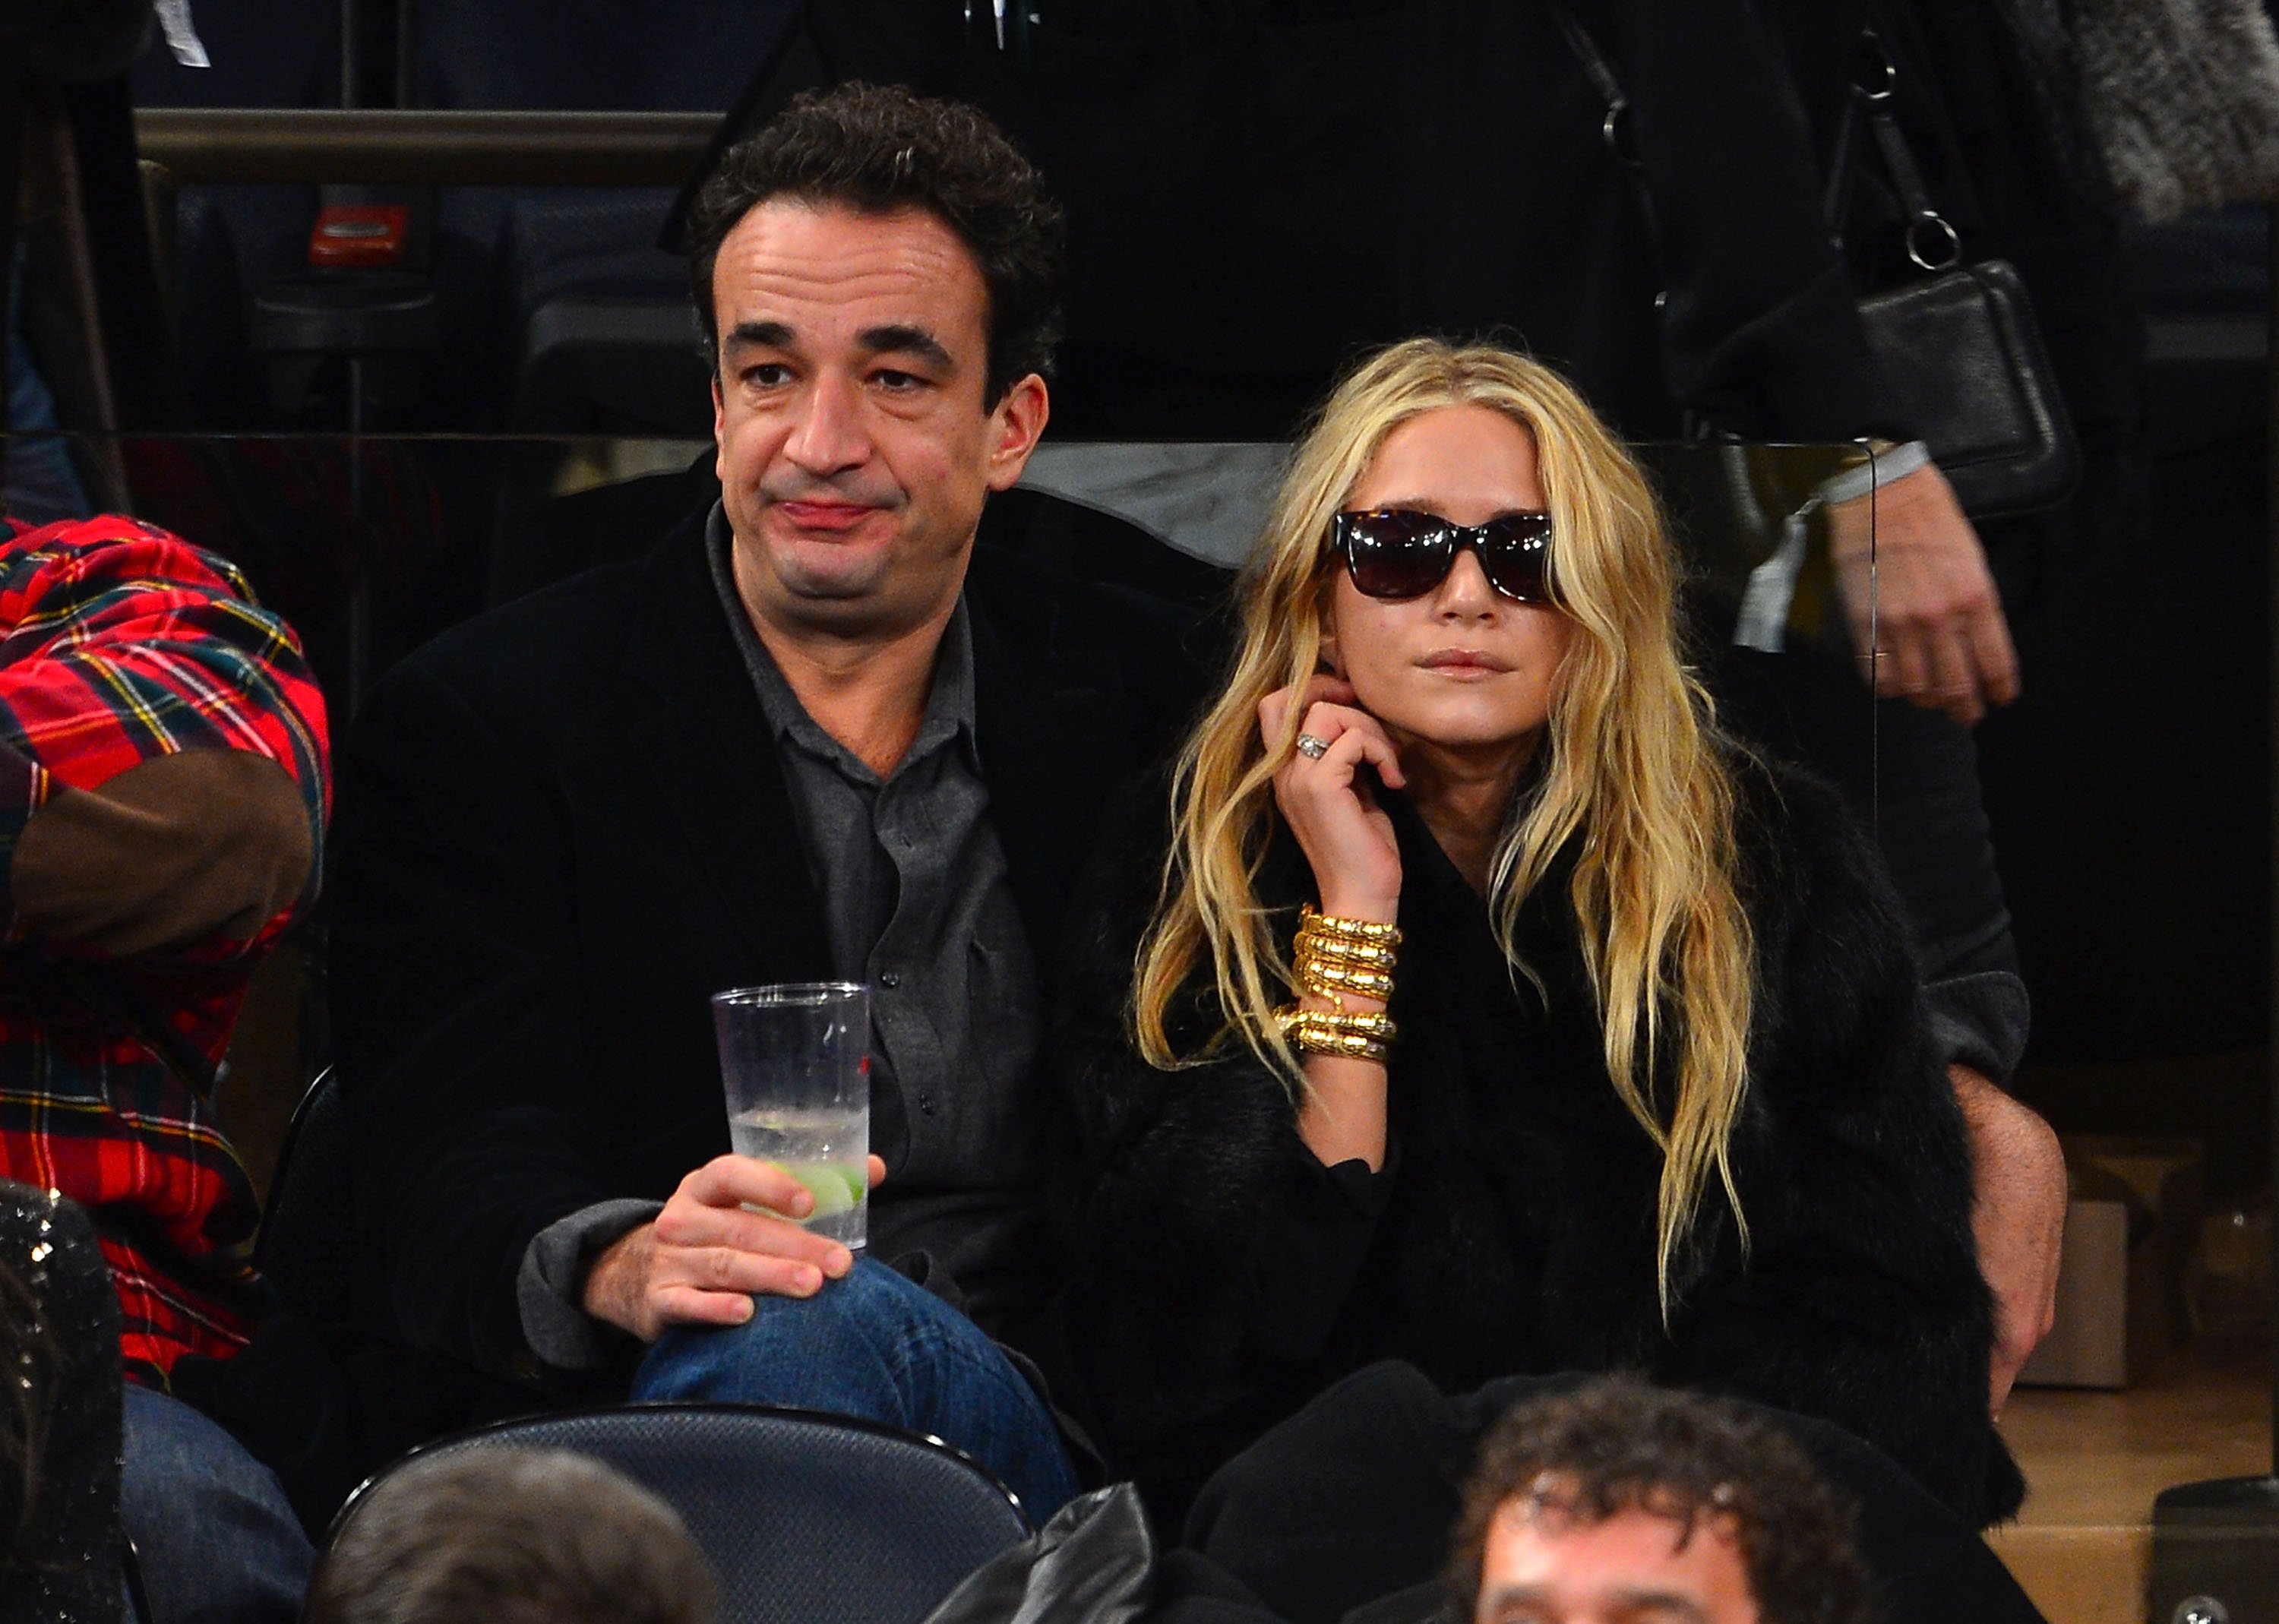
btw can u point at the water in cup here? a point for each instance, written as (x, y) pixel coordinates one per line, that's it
(794, 1059)
(824, 1149)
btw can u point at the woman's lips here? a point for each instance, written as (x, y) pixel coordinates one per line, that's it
(1464, 662)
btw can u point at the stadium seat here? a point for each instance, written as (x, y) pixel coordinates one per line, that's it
(307, 1246)
(231, 241)
(801, 1516)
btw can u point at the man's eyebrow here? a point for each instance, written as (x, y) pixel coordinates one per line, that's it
(904, 339)
(1660, 1604)
(758, 335)
(1630, 1600)
(894, 339)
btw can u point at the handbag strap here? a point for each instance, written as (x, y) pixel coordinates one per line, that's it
(1616, 129)
(1933, 242)
(1618, 132)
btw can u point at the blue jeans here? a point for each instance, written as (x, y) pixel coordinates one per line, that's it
(875, 1345)
(37, 480)
(213, 1533)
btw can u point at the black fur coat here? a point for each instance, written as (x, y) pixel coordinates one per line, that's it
(1221, 1275)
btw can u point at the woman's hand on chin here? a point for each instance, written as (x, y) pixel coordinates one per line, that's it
(1343, 832)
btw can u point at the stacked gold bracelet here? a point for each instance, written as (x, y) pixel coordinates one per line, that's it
(1343, 1031)
(1334, 957)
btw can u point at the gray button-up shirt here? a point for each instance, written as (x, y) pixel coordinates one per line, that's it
(916, 902)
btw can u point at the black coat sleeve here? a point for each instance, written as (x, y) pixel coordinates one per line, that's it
(457, 1021)
(1860, 1299)
(1210, 1250)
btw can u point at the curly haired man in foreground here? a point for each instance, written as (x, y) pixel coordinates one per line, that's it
(1620, 1501)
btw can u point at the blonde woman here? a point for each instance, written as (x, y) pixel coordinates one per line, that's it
(1474, 1003)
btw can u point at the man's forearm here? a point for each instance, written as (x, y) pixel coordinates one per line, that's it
(2018, 1180)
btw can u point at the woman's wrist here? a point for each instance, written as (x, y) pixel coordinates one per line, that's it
(1342, 1118)
(1338, 903)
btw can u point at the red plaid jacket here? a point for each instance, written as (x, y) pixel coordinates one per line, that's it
(120, 646)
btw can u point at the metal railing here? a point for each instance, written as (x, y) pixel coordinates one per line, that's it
(420, 147)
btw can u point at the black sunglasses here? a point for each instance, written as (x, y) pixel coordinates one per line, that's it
(1400, 553)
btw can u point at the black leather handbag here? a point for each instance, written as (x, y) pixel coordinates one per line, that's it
(1958, 351)
(1961, 356)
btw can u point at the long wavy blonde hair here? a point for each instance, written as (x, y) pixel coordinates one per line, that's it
(1628, 773)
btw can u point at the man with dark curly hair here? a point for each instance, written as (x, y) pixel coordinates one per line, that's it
(1342, 1514)
(1618, 1500)
(814, 735)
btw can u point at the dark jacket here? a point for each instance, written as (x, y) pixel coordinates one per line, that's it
(563, 826)
(1222, 1275)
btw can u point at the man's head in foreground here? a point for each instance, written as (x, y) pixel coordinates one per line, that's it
(1616, 1502)
(876, 275)
(510, 1536)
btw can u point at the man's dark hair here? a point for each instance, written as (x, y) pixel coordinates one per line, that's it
(880, 149)
(1615, 1444)
(510, 1536)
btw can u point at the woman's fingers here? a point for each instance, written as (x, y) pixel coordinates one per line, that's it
(1324, 775)
(1371, 746)
(1274, 709)
(1347, 840)
(1331, 722)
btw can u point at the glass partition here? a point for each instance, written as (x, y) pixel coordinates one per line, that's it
(372, 544)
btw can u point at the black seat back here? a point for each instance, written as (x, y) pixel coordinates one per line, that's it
(307, 1247)
(801, 1516)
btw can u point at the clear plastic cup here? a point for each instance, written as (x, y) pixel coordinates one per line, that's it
(794, 1059)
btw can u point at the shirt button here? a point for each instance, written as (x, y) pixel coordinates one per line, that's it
(890, 979)
(925, 1104)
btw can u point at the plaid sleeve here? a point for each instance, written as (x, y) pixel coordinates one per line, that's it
(120, 643)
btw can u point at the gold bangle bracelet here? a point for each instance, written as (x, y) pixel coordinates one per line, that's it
(1340, 1046)
(1369, 1024)
(1310, 917)
(1354, 1036)
(1329, 977)
(1375, 955)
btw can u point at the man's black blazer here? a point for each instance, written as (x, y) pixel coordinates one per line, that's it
(563, 827)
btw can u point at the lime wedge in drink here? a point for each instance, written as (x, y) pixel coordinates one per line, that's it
(834, 1191)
